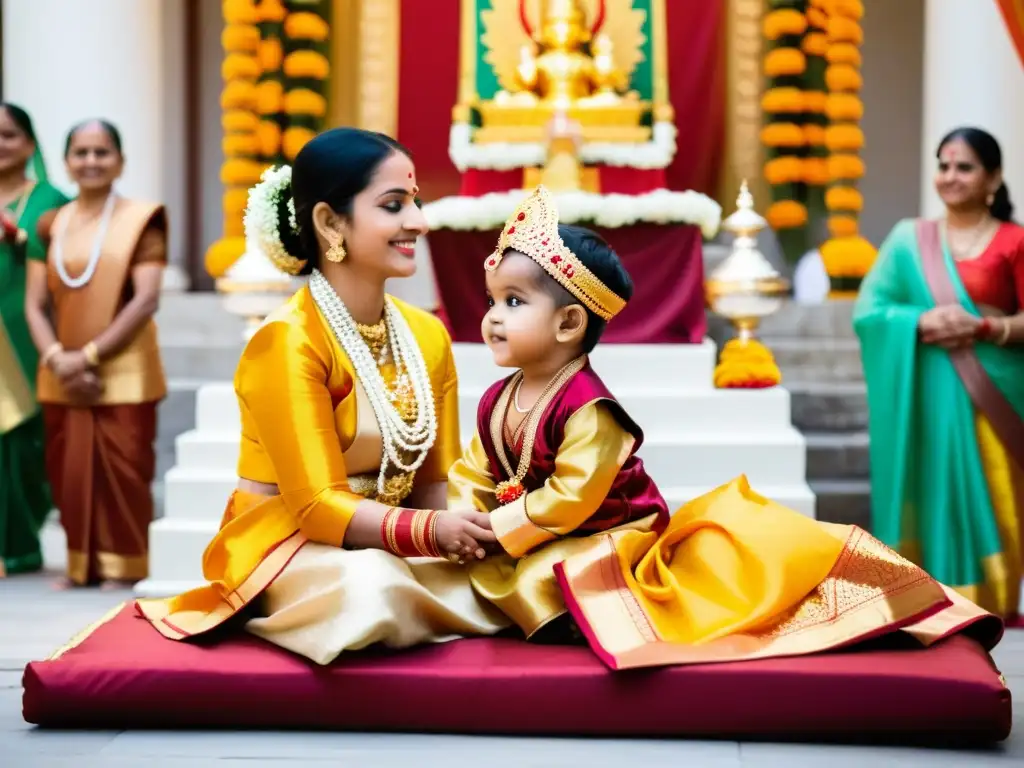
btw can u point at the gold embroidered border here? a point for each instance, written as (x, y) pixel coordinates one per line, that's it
(514, 529)
(84, 635)
(379, 32)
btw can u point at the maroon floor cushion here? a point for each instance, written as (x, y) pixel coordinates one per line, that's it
(125, 675)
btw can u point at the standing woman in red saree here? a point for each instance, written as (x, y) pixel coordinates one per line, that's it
(100, 374)
(941, 323)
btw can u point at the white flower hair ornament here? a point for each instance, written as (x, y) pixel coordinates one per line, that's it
(261, 220)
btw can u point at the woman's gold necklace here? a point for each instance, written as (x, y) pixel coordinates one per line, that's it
(401, 391)
(977, 236)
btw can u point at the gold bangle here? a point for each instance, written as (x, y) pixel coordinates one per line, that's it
(92, 354)
(51, 351)
(1005, 337)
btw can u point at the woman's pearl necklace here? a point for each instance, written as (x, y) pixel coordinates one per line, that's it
(396, 434)
(94, 254)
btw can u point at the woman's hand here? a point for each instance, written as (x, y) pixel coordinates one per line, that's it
(949, 326)
(69, 365)
(464, 533)
(85, 388)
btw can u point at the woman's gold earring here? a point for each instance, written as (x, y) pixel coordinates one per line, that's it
(336, 253)
(990, 199)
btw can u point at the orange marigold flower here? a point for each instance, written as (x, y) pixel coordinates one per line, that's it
(271, 11)
(844, 199)
(844, 30)
(306, 26)
(786, 21)
(240, 145)
(848, 256)
(786, 214)
(240, 173)
(222, 254)
(239, 66)
(814, 101)
(240, 38)
(784, 61)
(817, 18)
(294, 140)
(746, 364)
(844, 138)
(851, 9)
(783, 170)
(782, 135)
(843, 77)
(814, 44)
(238, 95)
(238, 121)
(842, 226)
(271, 54)
(270, 97)
(845, 167)
(815, 171)
(814, 135)
(239, 12)
(307, 64)
(844, 53)
(303, 101)
(235, 201)
(269, 135)
(783, 101)
(844, 106)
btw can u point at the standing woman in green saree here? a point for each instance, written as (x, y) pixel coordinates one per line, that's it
(24, 197)
(941, 328)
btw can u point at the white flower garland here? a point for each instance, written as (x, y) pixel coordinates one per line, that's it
(260, 221)
(658, 207)
(656, 153)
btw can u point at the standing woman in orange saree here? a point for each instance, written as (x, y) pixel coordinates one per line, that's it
(100, 375)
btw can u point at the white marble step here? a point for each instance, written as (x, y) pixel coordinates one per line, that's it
(701, 459)
(660, 413)
(177, 544)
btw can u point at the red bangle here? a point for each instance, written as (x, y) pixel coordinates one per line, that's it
(985, 330)
(410, 533)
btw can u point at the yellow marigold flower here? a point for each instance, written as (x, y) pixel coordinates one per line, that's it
(821, 5)
(240, 144)
(238, 95)
(844, 53)
(844, 30)
(782, 135)
(844, 106)
(270, 97)
(816, 18)
(842, 226)
(238, 121)
(843, 77)
(240, 38)
(844, 138)
(235, 201)
(845, 167)
(784, 61)
(222, 254)
(814, 44)
(239, 12)
(814, 135)
(239, 66)
(783, 170)
(271, 54)
(307, 64)
(786, 214)
(240, 173)
(848, 256)
(303, 101)
(306, 26)
(782, 101)
(844, 199)
(294, 140)
(269, 135)
(272, 11)
(746, 364)
(851, 9)
(814, 101)
(786, 21)
(815, 171)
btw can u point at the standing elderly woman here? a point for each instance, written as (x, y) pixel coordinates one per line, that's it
(24, 492)
(100, 375)
(941, 323)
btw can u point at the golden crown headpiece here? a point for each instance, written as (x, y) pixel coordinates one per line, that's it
(533, 229)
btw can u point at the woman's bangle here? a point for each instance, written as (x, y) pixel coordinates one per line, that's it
(985, 330)
(410, 533)
(92, 354)
(1005, 335)
(51, 351)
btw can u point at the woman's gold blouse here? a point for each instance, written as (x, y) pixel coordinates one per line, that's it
(298, 394)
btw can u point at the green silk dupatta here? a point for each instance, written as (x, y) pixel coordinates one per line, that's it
(929, 494)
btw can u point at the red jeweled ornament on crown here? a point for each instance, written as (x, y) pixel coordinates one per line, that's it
(509, 491)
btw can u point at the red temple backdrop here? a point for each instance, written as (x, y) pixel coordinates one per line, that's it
(429, 74)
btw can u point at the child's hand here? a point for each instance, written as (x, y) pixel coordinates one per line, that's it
(464, 534)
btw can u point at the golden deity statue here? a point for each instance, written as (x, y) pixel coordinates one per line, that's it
(564, 66)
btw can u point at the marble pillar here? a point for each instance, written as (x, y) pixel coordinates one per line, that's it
(70, 61)
(972, 76)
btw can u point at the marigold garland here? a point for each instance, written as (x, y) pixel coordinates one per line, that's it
(240, 69)
(786, 214)
(306, 64)
(783, 101)
(785, 61)
(305, 69)
(847, 256)
(306, 26)
(303, 101)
